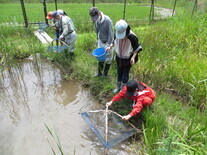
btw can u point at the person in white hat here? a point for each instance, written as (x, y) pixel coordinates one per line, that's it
(105, 36)
(127, 48)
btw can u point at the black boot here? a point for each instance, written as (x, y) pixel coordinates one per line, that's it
(100, 68)
(106, 70)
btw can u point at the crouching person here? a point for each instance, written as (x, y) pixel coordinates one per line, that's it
(67, 31)
(139, 92)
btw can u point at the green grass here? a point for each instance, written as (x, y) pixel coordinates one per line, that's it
(175, 57)
(136, 13)
(174, 62)
(17, 44)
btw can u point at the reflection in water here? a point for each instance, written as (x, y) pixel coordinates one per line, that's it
(34, 93)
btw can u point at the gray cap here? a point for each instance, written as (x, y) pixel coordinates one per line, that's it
(94, 13)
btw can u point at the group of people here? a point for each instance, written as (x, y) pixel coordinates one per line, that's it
(127, 47)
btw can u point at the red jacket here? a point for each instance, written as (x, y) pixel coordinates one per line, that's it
(138, 98)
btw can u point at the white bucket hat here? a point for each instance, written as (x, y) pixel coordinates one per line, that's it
(121, 27)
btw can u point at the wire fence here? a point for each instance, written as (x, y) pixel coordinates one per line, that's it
(133, 11)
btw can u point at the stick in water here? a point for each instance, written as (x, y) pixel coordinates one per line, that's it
(106, 128)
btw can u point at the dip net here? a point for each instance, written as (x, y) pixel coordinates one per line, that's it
(108, 127)
(53, 47)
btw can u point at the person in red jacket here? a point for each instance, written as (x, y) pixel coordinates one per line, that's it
(139, 92)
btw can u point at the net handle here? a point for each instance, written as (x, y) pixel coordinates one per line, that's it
(59, 41)
(127, 121)
(117, 115)
(107, 110)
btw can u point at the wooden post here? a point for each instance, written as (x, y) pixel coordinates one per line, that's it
(24, 13)
(56, 5)
(45, 10)
(194, 7)
(153, 10)
(106, 131)
(124, 9)
(93, 3)
(151, 16)
(174, 8)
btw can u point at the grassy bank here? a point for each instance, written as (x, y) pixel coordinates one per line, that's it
(173, 62)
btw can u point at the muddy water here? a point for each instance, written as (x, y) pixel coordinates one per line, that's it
(33, 93)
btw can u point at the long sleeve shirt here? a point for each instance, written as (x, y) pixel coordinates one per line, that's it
(66, 26)
(138, 98)
(104, 29)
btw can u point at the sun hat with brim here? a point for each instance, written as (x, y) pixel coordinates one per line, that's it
(94, 13)
(49, 15)
(132, 85)
(121, 27)
(55, 13)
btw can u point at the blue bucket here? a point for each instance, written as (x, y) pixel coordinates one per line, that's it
(100, 54)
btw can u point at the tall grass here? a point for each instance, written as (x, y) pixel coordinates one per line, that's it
(175, 57)
(16, 43)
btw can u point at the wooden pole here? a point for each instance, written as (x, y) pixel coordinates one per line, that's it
(24, 13)
(194, 7)
(106, 121)
(153, 9)
(174, 8)
(151, 16)
(124, 9)
(93, 3)
(56, 5)
(45, 10)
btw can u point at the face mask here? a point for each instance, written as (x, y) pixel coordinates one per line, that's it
(99, 19)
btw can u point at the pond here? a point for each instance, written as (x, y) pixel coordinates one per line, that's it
(34, 93)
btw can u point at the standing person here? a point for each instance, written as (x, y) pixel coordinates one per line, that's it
(139, 92)
(63, 13)
(105, 35)
(127, 48)
(67, 31)
(55, 25)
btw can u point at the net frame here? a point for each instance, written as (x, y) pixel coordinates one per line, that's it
(108, 144)
(57, 48)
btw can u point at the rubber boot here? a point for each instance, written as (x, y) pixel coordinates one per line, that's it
(100, 68)
(118, 87)
(72, 55)
(106, 70)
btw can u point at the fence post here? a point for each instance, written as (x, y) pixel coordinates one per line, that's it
(24, 13)
(45, 10)
(124, 9)
(194, 7)
(93, 3)
(151, 16)
(174, 7)
(56, 5)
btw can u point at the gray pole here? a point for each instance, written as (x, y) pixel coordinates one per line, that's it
(45, 10)
(124, 9)
(56, 5)
(24, 13)
(174, 8)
